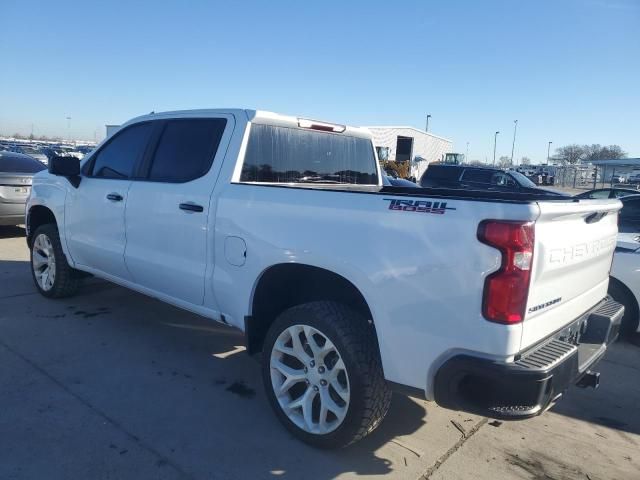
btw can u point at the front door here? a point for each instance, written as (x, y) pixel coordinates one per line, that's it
(169, 215)
(95, 211)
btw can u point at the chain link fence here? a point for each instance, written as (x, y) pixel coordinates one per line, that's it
(583, 177)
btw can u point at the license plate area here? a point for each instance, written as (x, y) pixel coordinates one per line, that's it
(572, 332)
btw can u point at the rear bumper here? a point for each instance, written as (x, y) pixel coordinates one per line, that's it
(11, 213)
(538, 377)
(12, 219)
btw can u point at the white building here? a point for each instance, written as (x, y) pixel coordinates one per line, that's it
(408, 143)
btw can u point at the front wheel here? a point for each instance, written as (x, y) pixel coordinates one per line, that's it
(53, 276)
(322, 373)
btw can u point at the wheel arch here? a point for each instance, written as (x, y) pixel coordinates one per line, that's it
(285, 285)
(37, 216)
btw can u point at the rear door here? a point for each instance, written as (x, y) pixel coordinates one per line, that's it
(574, 244)
(169, 215)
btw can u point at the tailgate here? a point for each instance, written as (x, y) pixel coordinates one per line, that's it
(574, 245)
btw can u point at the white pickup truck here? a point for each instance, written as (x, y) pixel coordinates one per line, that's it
(493, 303)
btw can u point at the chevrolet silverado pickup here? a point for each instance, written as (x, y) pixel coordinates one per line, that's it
(347, 288)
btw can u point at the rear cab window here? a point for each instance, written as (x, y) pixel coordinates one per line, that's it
(279, 154)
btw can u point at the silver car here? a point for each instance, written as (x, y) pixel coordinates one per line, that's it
(16, 173)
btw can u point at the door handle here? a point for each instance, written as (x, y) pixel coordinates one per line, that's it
(191, 207)
(114, 197)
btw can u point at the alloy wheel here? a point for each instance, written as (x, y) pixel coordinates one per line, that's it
(309, 379)
(44, 262)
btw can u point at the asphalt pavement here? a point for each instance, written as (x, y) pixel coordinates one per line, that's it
(113, 384)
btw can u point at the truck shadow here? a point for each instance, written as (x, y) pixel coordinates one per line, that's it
(180, 383)
(12, 231)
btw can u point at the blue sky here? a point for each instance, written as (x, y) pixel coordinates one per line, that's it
(568, 70)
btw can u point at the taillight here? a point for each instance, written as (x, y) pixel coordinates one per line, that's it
(506, 291)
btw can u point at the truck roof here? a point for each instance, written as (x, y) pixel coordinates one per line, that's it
(254, 116)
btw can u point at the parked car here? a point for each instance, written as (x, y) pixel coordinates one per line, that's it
(618, 178)
(479, 178)
(32, 152)
(282, 227)
(624, 284)
(16, 172)
(634, 178)
(607, 193)
(629, 218)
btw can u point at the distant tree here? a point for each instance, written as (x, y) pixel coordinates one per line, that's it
(525, 161)
(599, 152)
(504, 161)
(475, 163)
(571, 154)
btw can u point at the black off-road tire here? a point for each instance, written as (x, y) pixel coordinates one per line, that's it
(67, 279)
(621, 294)
(356, 341)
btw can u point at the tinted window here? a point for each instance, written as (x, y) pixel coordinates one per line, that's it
(118, 157)
(522, 180)
(599, 194)
(442, 172)
(630, 216)
(624, 193)
(10, 162)
(478, 175)
(186, 149)
(279, 154)
(503, 180)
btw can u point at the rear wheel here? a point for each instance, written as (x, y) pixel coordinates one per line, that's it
(322, 372)
(622, 295)
(53, 276)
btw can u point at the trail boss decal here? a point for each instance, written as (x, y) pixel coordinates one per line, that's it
(421, 206)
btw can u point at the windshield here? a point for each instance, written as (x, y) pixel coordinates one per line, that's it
(522, 180)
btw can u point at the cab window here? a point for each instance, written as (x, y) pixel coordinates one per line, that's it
(118, 158)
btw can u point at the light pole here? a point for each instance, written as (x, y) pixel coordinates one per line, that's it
(428, 117)
(548, 149)
(513, 146)
(495, 140)
(466, 157)
(68, 128)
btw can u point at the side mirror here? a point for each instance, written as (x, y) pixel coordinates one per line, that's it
(68, 167)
